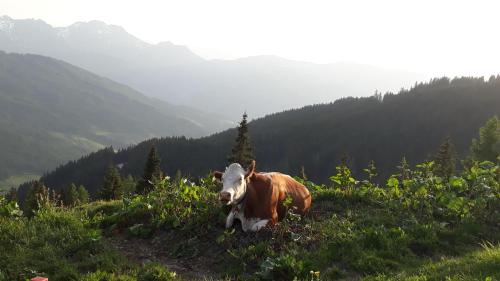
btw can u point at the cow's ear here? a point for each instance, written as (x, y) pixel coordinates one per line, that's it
(251, 169)
(218, 175)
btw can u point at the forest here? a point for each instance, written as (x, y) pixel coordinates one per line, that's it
(315, 139)
(428, 221)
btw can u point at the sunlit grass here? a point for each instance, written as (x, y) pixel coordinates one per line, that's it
(481, 264)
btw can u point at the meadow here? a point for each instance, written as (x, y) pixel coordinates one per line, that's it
(415, 225)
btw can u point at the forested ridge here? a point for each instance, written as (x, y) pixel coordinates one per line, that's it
(383, 128)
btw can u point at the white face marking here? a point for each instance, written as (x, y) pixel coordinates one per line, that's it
(233, 182)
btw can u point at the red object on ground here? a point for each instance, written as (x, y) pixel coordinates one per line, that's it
(38, 278)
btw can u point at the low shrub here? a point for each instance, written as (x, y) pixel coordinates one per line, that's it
(156, 272)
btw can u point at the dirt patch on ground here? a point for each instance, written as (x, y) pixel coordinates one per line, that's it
(189, 262)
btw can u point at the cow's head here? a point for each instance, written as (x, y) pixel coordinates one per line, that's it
(234, 182)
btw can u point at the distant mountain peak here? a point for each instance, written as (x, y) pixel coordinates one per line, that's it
(93, 36)
(165, 44)
(98, 26)
(6, 24)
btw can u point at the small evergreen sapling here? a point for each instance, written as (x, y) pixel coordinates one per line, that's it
(242, 151)
(444, 161)
(152, 172)
(112, 185)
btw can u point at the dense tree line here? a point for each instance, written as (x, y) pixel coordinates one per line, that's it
(395, 131)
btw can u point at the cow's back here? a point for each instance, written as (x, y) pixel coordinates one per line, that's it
(288, 186)
(271, 187)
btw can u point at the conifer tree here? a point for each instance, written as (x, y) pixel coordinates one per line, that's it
(129, 185)
(444, 161)
(487, 147)
(12, 195)
(83, 194)
(112, 186)
(70, 195)
(36, 198)
(242, 151)
(152, 172)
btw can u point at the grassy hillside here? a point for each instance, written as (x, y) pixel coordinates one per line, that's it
(412, 123)
(415, 226)
(51, 112)
(13, 181)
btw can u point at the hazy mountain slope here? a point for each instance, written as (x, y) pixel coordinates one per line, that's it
(260, 85)
(412, 123)
(51, 112)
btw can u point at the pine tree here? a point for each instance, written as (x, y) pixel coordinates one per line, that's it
(487, 148)
(36, 198)
(152, 172)
(112, 185)
(444, 161)
(83, 194)
(242, 151)
(70, 196)
(12, 194)
(129, 185)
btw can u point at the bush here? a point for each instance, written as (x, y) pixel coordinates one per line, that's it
(171, 204)
(9, 208)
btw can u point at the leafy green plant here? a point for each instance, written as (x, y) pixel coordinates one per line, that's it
(9, 208)
(282, 268)
(343, 179)
(155, 272)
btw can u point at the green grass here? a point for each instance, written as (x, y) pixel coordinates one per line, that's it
(55, 243)
(481, 264)
(83, 143)
(422, 228)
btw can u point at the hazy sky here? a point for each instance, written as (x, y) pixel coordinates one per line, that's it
(432, 37)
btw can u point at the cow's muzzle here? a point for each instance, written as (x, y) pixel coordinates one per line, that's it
(225, 197)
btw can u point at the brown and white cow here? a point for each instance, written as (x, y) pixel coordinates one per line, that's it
(257, 198)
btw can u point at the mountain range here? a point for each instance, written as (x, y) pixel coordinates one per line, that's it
(52, 112)
(259, 85)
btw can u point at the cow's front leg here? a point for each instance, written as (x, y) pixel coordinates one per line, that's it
(230, 219)
(258, 225)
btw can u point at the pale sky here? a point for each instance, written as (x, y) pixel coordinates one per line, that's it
(431, 37)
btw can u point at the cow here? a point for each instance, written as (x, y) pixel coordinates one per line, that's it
(257, 198)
